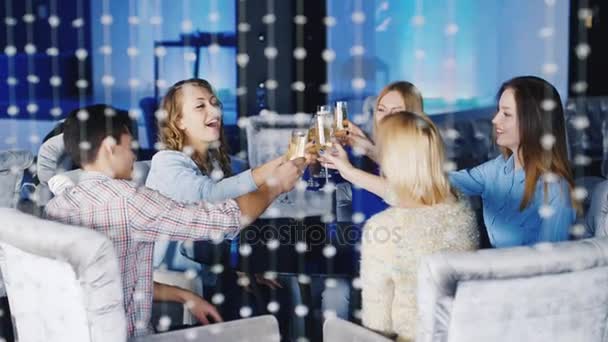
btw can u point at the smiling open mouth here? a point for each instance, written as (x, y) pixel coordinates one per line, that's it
(213, 124)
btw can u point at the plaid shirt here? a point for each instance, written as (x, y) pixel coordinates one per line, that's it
(133, 218)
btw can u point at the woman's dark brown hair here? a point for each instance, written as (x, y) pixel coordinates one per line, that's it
(539, 112)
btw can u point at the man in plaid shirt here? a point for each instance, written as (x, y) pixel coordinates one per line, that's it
(134, 218)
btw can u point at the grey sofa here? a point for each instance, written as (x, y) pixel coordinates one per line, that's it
(550, 292)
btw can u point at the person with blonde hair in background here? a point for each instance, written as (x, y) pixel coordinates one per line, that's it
(368, 196)
(395, 97)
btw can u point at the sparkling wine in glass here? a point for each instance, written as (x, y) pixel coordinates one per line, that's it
(341, 114)
(314, 167)
(324, 122)
(297, 144)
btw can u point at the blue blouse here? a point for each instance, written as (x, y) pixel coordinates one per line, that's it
(501, 188)
(175, 175)
(366, 202)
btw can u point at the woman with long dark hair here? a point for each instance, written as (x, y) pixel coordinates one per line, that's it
(526, 191)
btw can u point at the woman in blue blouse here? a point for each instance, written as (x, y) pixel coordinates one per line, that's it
(526, 190)
(195, 165)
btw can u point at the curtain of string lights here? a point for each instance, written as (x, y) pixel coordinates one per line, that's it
(10, 50)
(579, 86)
(153, 9)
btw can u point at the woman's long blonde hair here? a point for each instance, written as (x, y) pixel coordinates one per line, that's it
(412, 158)
(174, 138)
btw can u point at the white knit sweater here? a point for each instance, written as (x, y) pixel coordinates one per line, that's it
(392, 244)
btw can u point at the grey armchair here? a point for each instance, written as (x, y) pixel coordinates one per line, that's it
(595, 219)
(549, 292)
(12, 166)
(335, 329)
(63, 282)
(256, 329)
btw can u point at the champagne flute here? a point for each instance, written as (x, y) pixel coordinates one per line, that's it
(296, 149)
(341, 114)
(313, 168)
(324, 130)
(324, 109)
(324, 133)
(297, 144)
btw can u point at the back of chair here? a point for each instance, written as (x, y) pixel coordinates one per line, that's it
(584, 122)
(549, 292)
(268, 138)
(63, 282)
(12, 166)
(335, 329)
(596, 218)
(256, 329)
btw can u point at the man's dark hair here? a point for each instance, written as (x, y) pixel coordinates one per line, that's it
(85, 129)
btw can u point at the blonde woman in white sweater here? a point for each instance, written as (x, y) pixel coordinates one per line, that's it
(426, 216)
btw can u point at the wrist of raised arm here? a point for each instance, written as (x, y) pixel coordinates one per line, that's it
(348, 173)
